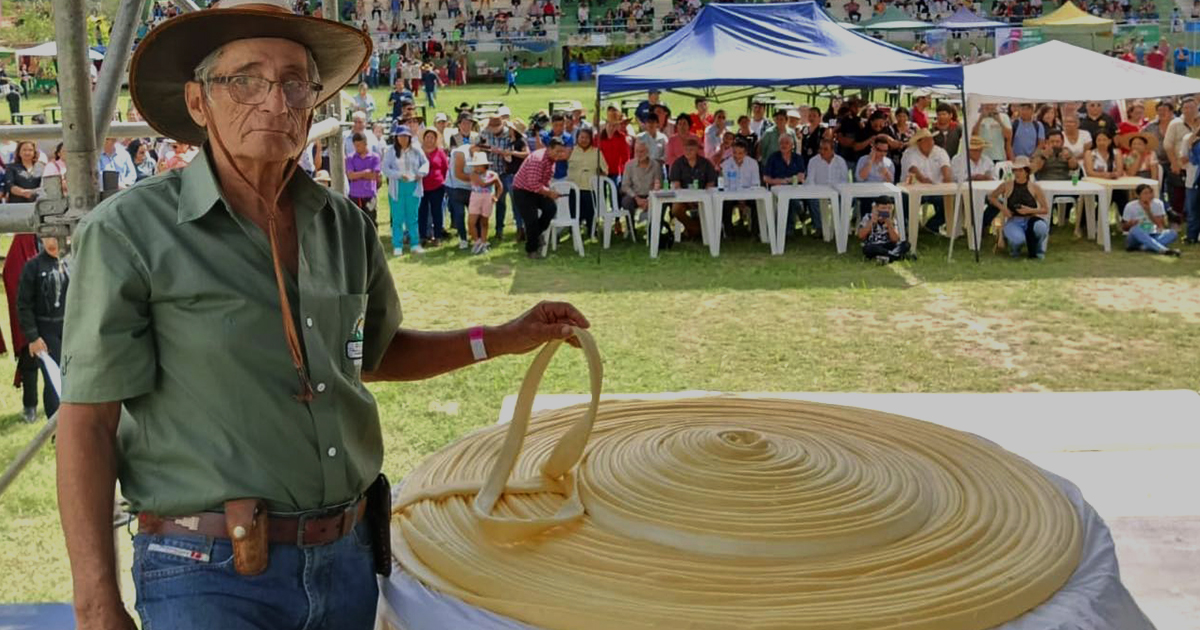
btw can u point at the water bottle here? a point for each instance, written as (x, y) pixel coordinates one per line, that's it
(720, 182)
(1074, 178)
(731, 180)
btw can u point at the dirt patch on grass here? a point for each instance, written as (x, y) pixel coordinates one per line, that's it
(1144, 294)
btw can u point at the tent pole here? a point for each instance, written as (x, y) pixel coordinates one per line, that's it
(962, 91)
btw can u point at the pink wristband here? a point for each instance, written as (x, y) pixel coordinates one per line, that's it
(477, 349)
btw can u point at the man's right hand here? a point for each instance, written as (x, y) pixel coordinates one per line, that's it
(37, 347)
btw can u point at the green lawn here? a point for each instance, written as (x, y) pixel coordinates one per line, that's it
(807, 321)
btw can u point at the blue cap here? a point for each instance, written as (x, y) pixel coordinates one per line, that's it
(401, 130)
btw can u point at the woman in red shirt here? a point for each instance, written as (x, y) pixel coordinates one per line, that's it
(429, 213)
(613, 143)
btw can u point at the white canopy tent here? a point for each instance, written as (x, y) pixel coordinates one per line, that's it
(1056, 72)
(50, 49)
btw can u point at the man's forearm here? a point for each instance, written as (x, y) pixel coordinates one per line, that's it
(87, 473)
(414, 355)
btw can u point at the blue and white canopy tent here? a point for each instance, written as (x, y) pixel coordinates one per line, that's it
(770, 46)
(762, 48)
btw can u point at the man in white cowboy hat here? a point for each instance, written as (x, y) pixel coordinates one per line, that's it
(223, 320)
(982, 167)
(925, 163)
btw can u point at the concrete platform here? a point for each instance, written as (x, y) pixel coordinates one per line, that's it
(1135, 456)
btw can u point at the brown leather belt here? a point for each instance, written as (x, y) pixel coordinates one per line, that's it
(311, 529)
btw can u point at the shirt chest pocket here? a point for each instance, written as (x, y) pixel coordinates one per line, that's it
(353, 310)
(348, 313)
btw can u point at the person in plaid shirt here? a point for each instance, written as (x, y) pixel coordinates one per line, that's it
(496, 140)
(532, 196)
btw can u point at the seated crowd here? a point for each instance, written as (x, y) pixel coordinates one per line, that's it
(707, 147)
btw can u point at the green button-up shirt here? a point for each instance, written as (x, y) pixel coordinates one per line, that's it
(174, 312)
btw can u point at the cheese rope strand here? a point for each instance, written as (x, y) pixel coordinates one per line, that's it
(727, 512)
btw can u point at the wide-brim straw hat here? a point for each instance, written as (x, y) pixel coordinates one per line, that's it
(1125, 139)
(920, 135)
(165, 61)
(1021, 162)
(978, 143)
(479, 158)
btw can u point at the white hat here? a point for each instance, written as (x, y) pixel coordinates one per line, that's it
(440, 117)
(504, 111)
(479, 158)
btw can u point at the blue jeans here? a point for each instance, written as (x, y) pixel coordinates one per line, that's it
(1192, 205)
(502, 206)
(429, 213)
(316, 588)
(431, 97)
(1014, 232)
(1140, 240)
(404, 215)
(458, 200)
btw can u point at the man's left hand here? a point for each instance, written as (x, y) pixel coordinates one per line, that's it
(548, 321)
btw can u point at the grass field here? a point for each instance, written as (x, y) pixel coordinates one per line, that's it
(807, 321)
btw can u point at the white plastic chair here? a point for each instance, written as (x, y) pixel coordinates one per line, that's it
(1002, 170)
(608, 209)
(1061, 203)
(562, 216)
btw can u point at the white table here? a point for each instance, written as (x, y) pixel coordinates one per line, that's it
(848, 192)
(763, 201)
(785, 194)
(1100, 228)
(916, 194)
(703, 197)
(1087, 192)
(981, 189)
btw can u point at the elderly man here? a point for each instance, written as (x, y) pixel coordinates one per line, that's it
(219, 329)
(1188, 123)
(533, 197)
(786, 167)
(741, 173)
(926, 163)
(642, 175)
(691, 170)
(374, 145)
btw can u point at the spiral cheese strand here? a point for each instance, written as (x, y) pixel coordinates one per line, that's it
(726, 512)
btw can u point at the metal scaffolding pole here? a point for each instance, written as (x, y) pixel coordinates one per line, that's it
(112, 71)
(75, 97)
(337, 151)
(55, 132)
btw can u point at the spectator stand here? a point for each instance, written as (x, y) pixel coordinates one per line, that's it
(723, 53)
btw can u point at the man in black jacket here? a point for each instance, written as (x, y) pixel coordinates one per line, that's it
(41, 305)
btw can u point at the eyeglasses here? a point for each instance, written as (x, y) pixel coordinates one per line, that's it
(248, 90)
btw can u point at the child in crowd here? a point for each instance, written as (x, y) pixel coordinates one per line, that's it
(485, 191)
(877, 231)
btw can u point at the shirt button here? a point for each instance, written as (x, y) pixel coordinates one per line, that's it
(320, 388)
(332, 451)
(308, 322)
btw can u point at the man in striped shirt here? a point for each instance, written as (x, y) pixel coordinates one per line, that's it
(532, 196)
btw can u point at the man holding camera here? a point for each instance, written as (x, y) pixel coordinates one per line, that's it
(877, 231)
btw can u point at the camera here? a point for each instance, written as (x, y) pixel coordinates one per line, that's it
(884, 214)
